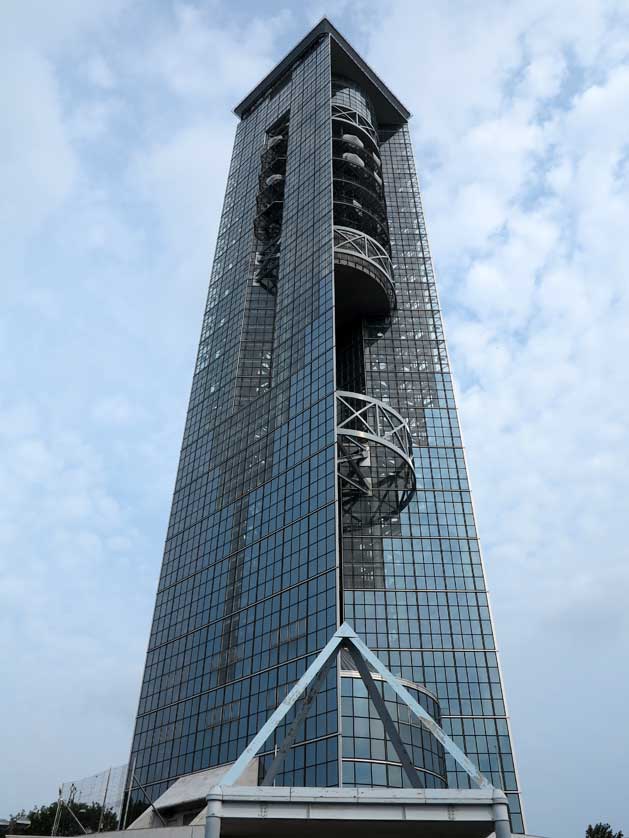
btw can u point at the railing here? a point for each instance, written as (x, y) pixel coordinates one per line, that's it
(364, 416)
(355, 119)
(348, 213)
(360, 251)
(355, 243)
(375, 460)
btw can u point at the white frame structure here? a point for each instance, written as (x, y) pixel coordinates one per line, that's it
(262, 810)
(308, 685)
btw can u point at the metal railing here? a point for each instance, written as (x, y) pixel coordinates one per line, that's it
(375, 460)
(352, 244)
(356, 120)
(355, 243)
(364, 416)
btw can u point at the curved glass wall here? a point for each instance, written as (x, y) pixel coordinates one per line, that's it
(368, 757)
(346, 93)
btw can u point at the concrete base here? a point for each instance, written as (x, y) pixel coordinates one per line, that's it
(185, 801)
(355, 812)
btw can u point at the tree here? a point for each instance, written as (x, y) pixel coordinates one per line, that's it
(602, 830)
(42, 819)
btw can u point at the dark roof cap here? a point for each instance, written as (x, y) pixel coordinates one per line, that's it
(349, 64)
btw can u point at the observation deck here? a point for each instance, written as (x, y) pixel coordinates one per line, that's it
(363, 276)
(375, 460)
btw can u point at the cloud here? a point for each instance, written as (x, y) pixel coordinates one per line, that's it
(99, 73)
(197, 154)
(33, 145)
(199, 56)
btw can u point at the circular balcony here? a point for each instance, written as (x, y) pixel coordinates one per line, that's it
(375, 460)
(349, 119)
(346, 142)
(354, 215)
(352, 167)
(352, 179)
(363, 276)
(276, 149)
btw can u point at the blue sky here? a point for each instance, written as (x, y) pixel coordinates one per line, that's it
(117, 131)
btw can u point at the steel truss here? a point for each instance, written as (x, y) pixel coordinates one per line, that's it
(270, 208)
(352, 175)
(305, 691)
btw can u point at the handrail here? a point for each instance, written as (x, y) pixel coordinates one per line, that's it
(356, 243)
(349, 215)
(376, 421)
(352, 117)
(385, 485)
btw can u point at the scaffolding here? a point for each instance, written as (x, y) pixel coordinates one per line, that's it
(106, 789)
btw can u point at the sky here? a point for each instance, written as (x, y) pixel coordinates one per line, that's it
(116, 136)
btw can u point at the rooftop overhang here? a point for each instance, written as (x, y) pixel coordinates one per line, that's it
(345, 62)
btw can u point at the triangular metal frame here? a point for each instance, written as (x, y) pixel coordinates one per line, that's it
(307, 688)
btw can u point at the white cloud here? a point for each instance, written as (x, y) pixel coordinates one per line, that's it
(99, 72)
(184, 177)
(39, 165)
(199, 57)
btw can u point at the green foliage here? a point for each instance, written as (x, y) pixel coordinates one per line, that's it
(42, 819)
(602, 830)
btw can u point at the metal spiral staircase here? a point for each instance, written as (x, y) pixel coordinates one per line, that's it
(375, 450)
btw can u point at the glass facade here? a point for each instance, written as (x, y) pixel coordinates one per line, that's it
(322, 475)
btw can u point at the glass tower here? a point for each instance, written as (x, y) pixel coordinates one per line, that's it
(322, 476)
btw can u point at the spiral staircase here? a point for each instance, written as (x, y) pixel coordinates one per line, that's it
(375, 449)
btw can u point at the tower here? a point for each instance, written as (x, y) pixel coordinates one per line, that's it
(322, 476)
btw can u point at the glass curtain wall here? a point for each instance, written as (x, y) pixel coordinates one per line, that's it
(248, 587)
(322, 475)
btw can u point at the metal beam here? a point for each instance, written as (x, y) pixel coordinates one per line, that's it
(424, 717)
(381, 708)
(346, 636)
(147, 796)
(309, 696)
(329, 651)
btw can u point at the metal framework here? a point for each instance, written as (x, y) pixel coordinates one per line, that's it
(358, 192)
(350, 212)
(354, 174)
(270, 207)
(355, 185)
(375, 460)
(351, 117)
(306, 689)
(354, 243)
